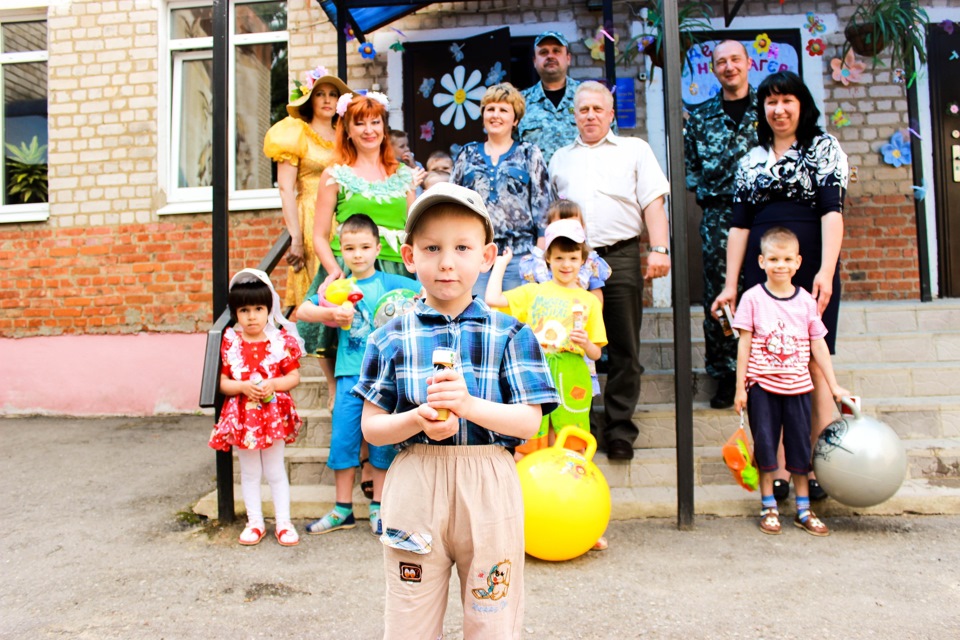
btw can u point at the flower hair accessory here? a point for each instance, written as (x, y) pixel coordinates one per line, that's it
(310, 78)
(379, 97)
(345, 99)
(343, 102)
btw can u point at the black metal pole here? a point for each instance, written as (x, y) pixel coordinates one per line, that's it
(341, 39)
(221, 251)
(919, 206)
(683, 368)
(610, 56)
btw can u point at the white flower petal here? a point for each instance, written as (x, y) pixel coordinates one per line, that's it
(442, 99)
(460, 121)
(458, 73)
(447, 83)
(472, 110)
(447, 115)
(473, 80)
(476, 94)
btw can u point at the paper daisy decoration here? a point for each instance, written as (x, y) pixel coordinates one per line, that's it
(460, 102)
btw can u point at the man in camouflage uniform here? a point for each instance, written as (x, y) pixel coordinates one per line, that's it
(549, 121)
(715, 137)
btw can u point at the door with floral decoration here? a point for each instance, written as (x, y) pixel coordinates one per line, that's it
(443, 83)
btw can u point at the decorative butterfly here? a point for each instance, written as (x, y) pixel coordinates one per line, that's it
(954, 55)
(815, 24)
(397, 46)
(426, 131)
(495, 75)
(839, 120)
(426, 87)
(457, 51)
(920, 192)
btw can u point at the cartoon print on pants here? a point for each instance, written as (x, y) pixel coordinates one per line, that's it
(498, 582)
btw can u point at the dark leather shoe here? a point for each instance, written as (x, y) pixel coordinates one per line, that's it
(816, 491)
(619, 450)
(781, 489)
(726, 390)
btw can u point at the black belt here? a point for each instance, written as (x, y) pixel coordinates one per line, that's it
(616, 246)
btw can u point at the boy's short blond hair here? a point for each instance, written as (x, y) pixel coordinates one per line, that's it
(775, 235)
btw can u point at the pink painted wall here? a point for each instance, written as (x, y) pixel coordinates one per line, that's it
(141, 374)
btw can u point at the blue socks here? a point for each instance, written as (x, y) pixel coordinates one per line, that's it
(803, 505)
(769, 502)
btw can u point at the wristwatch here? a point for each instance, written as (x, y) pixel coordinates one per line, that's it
(660, 249)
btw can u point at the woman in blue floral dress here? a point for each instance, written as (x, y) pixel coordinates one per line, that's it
(511, 176)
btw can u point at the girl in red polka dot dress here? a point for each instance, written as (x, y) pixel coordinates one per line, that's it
(260, 362)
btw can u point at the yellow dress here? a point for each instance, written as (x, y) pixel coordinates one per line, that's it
(293, 140)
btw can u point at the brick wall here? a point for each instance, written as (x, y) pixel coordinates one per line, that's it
(105, 262)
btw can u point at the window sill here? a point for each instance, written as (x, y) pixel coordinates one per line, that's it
(258, 203)
(24, 213)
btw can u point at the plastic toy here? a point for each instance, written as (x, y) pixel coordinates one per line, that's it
(345, 293)
(859, 461)
(566, 499)
(393, 304)
(736, 454)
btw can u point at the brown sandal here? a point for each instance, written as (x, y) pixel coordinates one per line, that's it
(812, 525)
(770, 521)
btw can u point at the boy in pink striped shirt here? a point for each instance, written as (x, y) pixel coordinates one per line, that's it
(780, 330)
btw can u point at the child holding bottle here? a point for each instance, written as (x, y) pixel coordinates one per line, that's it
(259, 366)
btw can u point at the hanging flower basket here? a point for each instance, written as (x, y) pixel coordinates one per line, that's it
(655, 54)
(864, 39)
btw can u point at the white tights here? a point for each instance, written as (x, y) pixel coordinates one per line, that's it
(268, 463)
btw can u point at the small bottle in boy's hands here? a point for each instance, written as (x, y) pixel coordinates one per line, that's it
(443, 359)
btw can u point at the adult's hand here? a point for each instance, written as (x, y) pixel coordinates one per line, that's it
(418, 176)
(658, 265)
(822, 290)
(295, 256)
(727, 296)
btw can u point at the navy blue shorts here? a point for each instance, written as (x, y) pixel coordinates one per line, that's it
(770, 415)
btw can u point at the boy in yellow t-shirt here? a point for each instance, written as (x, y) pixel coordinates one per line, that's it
(567, 320)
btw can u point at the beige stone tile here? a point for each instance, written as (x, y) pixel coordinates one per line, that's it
(881, 382)
(913, 424)
(947, 346)
(935, 381)
(935, 318)
(891, 320)
(907, 348)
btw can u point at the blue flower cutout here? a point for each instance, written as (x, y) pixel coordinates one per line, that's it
(495, 75)
(896, 153)
(426, 87)
(367, 52)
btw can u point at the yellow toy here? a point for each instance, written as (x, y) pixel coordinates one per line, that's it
(566, 499)
(345, 293)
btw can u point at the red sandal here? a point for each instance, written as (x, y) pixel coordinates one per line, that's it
(287, 536)
(251, 535)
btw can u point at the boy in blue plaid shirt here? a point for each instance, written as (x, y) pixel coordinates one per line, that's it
(452, 495)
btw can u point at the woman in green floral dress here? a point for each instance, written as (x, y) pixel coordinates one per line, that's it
(365, 177)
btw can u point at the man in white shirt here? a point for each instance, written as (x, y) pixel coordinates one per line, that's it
(619, 186)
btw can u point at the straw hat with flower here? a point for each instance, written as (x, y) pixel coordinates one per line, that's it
(304, 90)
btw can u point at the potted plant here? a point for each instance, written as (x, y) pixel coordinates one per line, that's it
(897, 25)
(691, 16)
(27, 172)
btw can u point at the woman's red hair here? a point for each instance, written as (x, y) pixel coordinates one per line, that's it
(362, 108)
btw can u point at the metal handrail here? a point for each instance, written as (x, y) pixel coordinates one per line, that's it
(210, 384)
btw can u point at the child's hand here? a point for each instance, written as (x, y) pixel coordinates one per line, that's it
(267, 388)
(447, 390)
(579, 337)
(344, 315)
(505, 257)
(839, 392)
(740, 401)
(251, 390)
(437, 429)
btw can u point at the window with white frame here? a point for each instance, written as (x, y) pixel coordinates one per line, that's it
(23, 125)
(257, 67)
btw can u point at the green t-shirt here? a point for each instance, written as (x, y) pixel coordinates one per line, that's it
(384, 201)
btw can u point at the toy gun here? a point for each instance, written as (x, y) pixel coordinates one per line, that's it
(736, 455)
(345, 293)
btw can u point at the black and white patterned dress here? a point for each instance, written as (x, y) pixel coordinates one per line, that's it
(795, 192)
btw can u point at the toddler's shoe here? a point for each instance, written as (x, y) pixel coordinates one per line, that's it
(812, 524)
(287, 535)
(770, 521)
(333, 521)
(601, 544)
(376, 524)
(816, 491)
(252, 534)
(781, 489)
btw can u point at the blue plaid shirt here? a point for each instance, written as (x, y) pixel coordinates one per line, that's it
(499, 358)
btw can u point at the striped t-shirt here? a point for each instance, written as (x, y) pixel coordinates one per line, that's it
(782, 330)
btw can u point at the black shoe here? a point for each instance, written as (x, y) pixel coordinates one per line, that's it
(816, 491)
(781, 489)
(726, 390)
(619, 450)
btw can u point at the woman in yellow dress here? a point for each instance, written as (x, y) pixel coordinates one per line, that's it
(302, 147)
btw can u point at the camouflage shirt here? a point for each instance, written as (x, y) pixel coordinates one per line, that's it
(547, 126)
(713, 145)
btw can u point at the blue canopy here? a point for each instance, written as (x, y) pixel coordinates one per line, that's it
(367, 19)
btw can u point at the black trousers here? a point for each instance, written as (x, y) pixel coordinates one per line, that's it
(622, 316)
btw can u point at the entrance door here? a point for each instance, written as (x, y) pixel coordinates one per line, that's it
(443, 83)
(942, 50)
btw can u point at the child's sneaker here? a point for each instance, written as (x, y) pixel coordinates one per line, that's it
(333, 521)
(376, 524)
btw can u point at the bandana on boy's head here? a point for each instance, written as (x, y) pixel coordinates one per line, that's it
(276, 317)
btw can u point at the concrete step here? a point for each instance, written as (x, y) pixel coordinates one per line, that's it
(921, 496)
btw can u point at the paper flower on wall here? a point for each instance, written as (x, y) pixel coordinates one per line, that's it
(456, 50)
(426, 131)
(815, 47)
(597, 44)
(848, 70)
(948, 25)
(348, 31)
(460, 97)
(426, 87)
(774, 52)
(398, 47)
(896, 153)
(495, 75)
(762, 43)
(953, 109)
(814, 24)
(367, 52)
